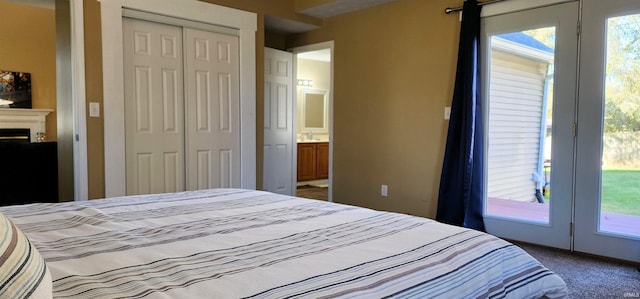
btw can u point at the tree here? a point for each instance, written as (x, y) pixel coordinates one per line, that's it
(622, 103)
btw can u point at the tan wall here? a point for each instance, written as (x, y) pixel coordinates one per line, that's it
(394, 72)
(394, 69)
(28, 44)
(93, 77)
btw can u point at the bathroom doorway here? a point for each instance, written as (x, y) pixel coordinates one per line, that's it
(313, 119)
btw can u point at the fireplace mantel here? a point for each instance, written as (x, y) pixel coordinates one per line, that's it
(32, 119)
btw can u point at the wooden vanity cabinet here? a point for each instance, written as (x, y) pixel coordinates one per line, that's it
(313, 161)
(306, 161)
(322, 161)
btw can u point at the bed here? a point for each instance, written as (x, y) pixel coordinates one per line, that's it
(234, 243)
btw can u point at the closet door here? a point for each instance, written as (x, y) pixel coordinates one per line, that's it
(154, 107)
(212, 109)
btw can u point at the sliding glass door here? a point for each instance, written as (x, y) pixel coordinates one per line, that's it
(607, 209)
(529, 101)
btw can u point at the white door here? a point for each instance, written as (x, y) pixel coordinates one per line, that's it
(278, 172)
(182, 113)
(529, 98)
(212, 109)
(607, 213)
(154, 107)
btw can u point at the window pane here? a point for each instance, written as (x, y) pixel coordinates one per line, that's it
(519, 126)
(620, 198)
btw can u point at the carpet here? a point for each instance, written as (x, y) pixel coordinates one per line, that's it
(587, 276)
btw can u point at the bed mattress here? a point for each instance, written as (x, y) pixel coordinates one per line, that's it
(234, 243)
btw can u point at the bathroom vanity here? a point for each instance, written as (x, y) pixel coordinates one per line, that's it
(313, 161)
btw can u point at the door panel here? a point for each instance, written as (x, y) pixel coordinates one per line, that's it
(322, 168)
(212, 109)
(278, 122)
(607, 218)
(160, 143)
(529, 97)
(153, 107)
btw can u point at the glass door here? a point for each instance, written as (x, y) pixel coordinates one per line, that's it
(529, 69)
(607, 212)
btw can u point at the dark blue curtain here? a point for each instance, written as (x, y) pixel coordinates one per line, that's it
(460, 197)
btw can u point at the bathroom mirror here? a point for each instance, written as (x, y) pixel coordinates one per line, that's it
(315, 111)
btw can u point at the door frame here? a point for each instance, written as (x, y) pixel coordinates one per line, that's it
(589, 238)
(307, 48)
(557, 232)
(81, 168)
(586, 169)
(77, 95)
(112, 59)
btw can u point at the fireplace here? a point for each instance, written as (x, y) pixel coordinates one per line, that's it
(15, 135)
(32, 119)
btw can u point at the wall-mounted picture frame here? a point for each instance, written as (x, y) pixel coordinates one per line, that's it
(15, 89)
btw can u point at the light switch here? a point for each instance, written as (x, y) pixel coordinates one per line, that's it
(94, 109)
(447, 113)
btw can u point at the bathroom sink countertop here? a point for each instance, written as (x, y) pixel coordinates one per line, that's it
(311, 141)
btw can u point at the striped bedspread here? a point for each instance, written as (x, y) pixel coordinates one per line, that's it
(232, 243)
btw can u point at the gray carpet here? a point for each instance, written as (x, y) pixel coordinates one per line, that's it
(587, 276)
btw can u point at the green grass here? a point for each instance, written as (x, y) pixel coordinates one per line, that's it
(621, 191)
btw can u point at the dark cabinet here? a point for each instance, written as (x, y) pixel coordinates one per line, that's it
(29, 172)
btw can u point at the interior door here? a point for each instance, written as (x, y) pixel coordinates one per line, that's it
(154, 104)
(279, 137)
(607, 213)
(529, 66)
(212, 109)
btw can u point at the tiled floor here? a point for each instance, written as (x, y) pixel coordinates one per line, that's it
(312, 192)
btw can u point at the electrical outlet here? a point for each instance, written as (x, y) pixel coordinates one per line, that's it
(384, 189)
(447, 113)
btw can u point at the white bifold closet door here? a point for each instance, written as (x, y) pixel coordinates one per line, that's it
(182, 113)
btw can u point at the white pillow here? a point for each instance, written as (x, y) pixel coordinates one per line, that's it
(23, 272)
